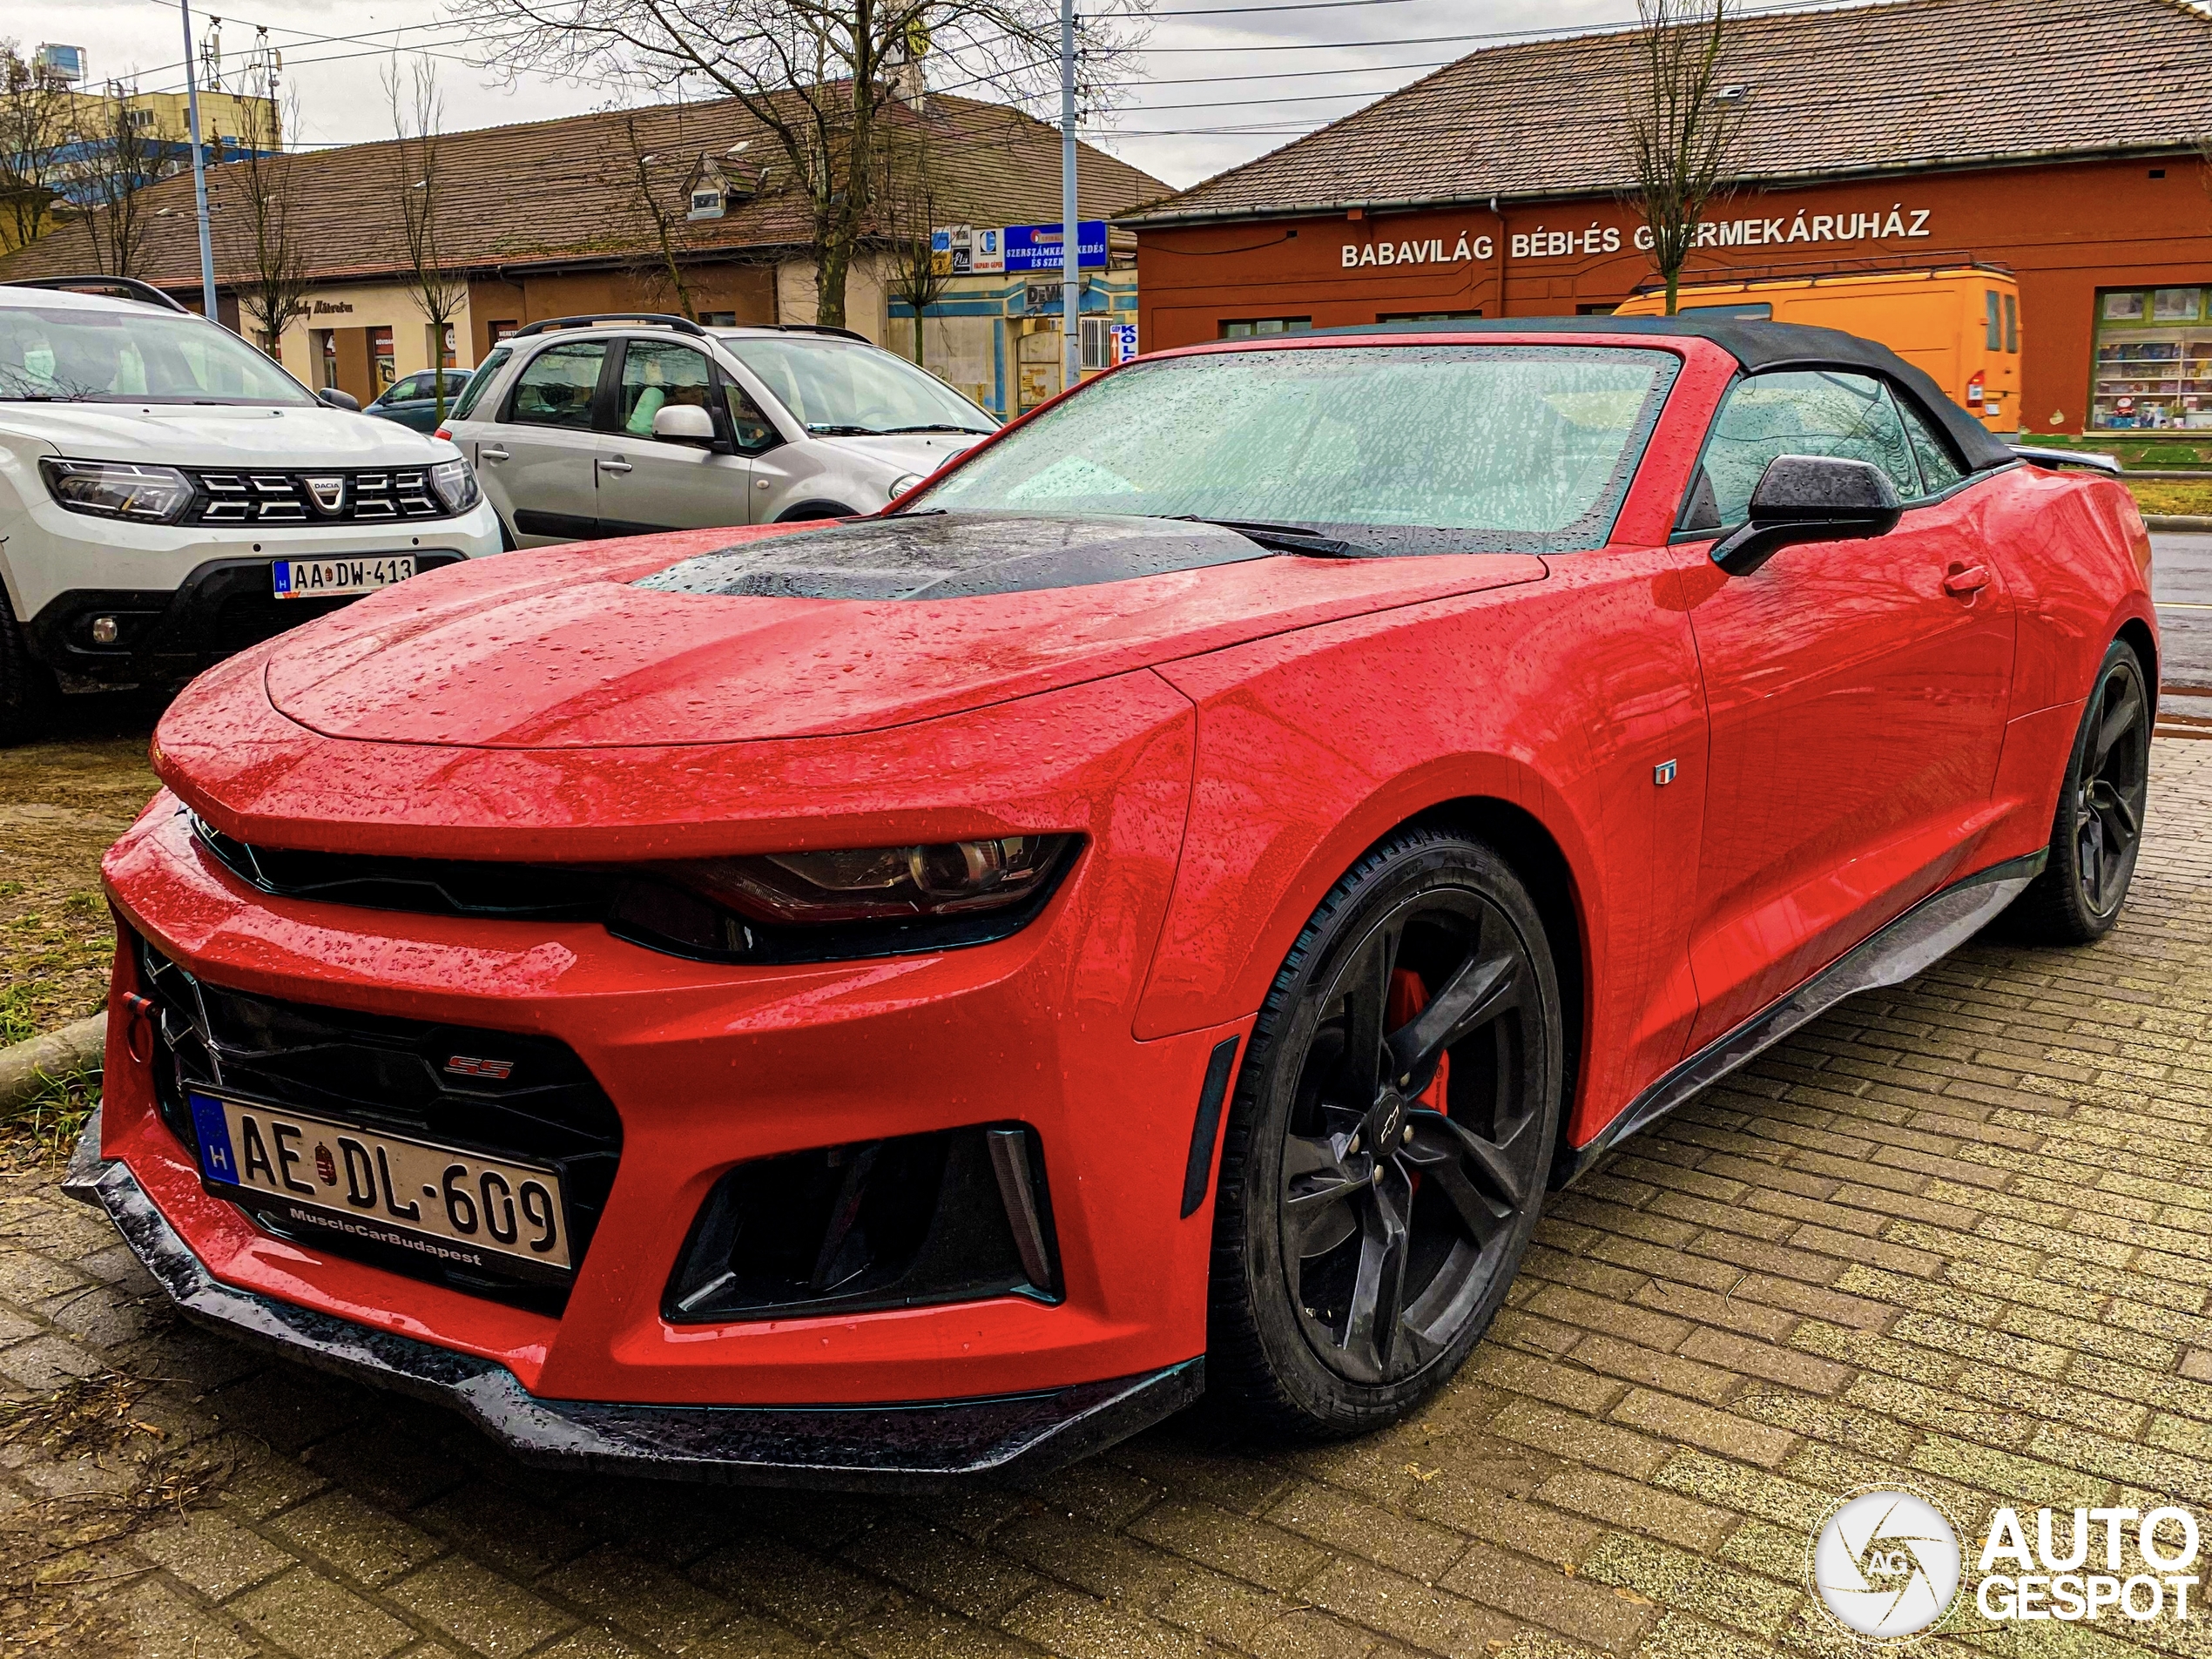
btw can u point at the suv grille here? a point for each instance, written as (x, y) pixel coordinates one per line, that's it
(313, 498)
(393, 1074)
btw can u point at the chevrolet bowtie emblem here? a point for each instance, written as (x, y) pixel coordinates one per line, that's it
(330, 493)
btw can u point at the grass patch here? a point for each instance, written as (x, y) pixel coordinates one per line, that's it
(2155, 496)
(40, 1133)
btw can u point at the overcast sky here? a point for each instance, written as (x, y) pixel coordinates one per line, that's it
(1208, 92)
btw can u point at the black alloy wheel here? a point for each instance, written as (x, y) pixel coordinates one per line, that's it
(2098, 831)
(1391, 1139)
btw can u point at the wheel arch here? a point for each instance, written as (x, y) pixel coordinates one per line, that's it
(808, 511)
(1535, 855)
(2138, 634)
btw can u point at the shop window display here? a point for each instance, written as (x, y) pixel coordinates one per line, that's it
(2153, 359)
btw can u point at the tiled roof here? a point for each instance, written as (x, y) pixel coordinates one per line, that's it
(1853, 89)
(558, 190)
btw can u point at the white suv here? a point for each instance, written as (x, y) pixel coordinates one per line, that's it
(169, 495)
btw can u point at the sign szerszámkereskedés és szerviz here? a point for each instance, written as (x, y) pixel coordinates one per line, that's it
(1895, 223)
(963, 250)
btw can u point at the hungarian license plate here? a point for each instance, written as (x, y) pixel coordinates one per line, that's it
(439, 1202)
(333, 578)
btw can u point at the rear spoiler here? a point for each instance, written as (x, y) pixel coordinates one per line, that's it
(2055, 459)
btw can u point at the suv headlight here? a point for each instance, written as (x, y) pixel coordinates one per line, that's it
(119, 490)
(455, 483)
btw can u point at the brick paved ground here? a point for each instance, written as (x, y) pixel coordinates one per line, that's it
(1955, 1237)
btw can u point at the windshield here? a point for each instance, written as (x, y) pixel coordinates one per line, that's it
(842, 386)
(1404, 448)
(137, 355)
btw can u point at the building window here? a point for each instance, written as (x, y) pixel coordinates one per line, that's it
(1098, 343)
(380, 352)
(1246, 327)
(719, 318)
(2153, 359)
(449, 351)
(503, 331)
(324, 343)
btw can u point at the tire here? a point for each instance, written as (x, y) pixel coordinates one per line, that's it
(2097, 831)
(1316, 1239)
(26, 689)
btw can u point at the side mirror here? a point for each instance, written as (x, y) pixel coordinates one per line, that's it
(683, 423)
(1810, 498)
(339, 400)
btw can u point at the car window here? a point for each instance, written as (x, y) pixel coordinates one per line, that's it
(1938, 470)
(755, 431)
(847, 388)
(480, 381)
(656, 373)
(1816, 412)
(1407, 448)
(555, 387)
(136, 355)
(413, 387)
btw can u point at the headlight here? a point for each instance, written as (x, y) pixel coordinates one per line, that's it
(119, 490)
(879, 900)
(900, 485)
(455, 483)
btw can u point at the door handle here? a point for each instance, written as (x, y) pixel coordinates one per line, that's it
(1964, 580)
(616, 466)
(485, 454)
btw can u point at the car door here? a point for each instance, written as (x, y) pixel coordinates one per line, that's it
(647, 484)
(1857, 691)
(538, 463)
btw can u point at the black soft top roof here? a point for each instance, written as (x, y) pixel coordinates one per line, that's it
(1757, 345)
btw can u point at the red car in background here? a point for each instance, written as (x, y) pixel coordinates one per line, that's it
(1153, 912)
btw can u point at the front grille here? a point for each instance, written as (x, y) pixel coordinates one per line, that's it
(333, 498)
(393, 1074)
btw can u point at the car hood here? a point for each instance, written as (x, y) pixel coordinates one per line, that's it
(209, 435)
(895, 457)
(714, 637)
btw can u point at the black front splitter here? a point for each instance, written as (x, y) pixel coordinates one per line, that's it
(920, 1447)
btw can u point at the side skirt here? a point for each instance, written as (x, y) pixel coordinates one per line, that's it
(1926, 933)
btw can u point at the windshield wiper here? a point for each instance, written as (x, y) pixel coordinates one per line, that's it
(984, 430)
(1285, 538)
(828, 429)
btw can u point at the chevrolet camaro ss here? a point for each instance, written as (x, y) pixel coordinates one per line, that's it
(1152, 913)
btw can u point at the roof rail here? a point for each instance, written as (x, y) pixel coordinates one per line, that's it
(130, 287)
(681, 325)
(822, 329)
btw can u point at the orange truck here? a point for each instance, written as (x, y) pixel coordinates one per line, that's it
(1959, 321)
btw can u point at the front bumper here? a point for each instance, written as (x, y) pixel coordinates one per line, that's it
(166, 636)
(910, 1445)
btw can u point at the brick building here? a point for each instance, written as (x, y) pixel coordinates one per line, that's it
(2056, 137)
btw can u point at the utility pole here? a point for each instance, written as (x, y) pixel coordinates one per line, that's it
(199, 172)
(1070, 235)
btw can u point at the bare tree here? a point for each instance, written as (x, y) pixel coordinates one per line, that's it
(276, 290)
(1682, 124)
(911, 204)
(814, 73)
(34, 110)
(120, 156)
(418, 183)
(655, 187)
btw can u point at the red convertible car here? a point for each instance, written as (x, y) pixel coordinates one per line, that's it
(1154, 911)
